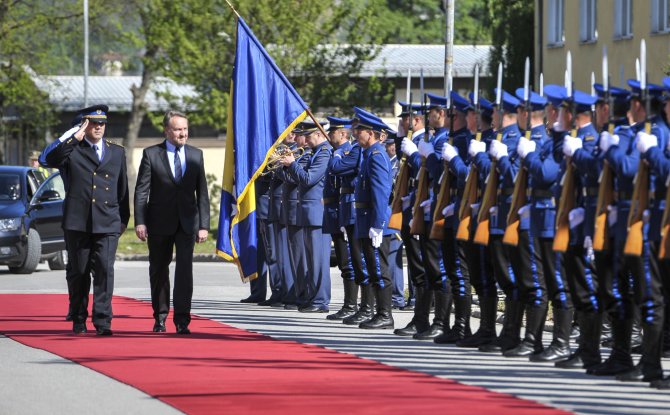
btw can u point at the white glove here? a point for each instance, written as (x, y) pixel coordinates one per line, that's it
(570, 145)
(588, 242)
(475, 208)
(69, 133)
(524, 212)
(612, 213)
(426, 206)
(498, 150)
(448, 152)
(448, 210)
(376, 235)
(426, 148)
(525, 147)
(344, 233)
(493, 211)
(476, 147)
(405, 202)
(408, 147)
(607, 140)
(576, 217)
(645, 141)
(401, 129)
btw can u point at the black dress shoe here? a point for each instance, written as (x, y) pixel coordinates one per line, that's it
(277, 304)
(159, 326)
(313, 309)
(611, 367)
(250, 300)
(79, 328)
(553, 353)
(290, 307)
(407, 331)
(637, 375)
(379, 321)
(102, 331)
(183, 329)
(343, 313)
(524, 349)
(661, 383)
(68, 317)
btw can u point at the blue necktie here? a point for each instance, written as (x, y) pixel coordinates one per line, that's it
(177, 165)
(95, 148)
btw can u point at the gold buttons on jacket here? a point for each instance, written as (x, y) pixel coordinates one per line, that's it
(93, 200)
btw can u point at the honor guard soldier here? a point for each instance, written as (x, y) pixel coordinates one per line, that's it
(259, 285)
(412, 122)
(662, 168)
(427, 148)
(455, 253)
(504, 260)
(395, 249)
(373, 190)
(543, 282)
(310, 179)
(339, 132)
(96, 212)
(296, 273)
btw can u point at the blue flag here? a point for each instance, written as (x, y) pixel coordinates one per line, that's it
(263, 108)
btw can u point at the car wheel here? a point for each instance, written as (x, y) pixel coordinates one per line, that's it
(33, 253)
(58, 262)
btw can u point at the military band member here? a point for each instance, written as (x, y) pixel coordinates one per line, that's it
(373, 190)
(310, 179)
(455, 253)
(339, 132)
(96, 212)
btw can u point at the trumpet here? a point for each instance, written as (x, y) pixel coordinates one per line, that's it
(281, 151)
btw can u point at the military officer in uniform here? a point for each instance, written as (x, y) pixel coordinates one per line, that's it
(95, 213)
(310, 179)
(372, 192)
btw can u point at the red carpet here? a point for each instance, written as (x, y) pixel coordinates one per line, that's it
(222, 369)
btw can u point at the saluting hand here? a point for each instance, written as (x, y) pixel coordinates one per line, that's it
(79, 135)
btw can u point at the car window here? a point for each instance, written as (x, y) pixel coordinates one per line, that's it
(54, 182)
(10, 187)
(35, 179)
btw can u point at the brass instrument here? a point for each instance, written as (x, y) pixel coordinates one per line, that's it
(282, 150)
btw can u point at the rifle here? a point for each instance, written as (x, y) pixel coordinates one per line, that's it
(401, 185)
(568, 182)
(640, 200)
(519, 198)
(472, 181)
(491, 191)
(418, 226)
(606, 180)
(664, 248)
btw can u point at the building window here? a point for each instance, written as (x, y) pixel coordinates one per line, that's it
(555, 19)
(587, 21)
(660, 16)
(623, 19)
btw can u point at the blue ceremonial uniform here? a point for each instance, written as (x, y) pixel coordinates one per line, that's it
(395, 254)
(281, 243)
(310, 180)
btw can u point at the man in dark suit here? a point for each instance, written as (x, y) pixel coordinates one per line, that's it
(172, 210)
(96, 212)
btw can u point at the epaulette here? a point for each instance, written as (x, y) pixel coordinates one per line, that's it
(589, 138)
(376, 152)
(116, 144)
(347, 152)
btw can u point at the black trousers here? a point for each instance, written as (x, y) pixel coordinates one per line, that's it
(582, 279)
(376, 261)
(91, 254)
(502, 268)
(417, 272)
(648, 284)
(160, 257)
(455, 258)
(481, 269)
(356, 256)
(342, 256)
(552, 270)
(267, 234)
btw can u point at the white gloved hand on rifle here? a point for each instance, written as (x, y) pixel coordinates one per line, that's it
(525, 147)
(476, 147)
(645, 141)
(607, 141)
(408, 147)
(571, 145)
(498, 150)
(426, 206)
(576, 217)
(426, 148)
(448, 152)
(377, 235)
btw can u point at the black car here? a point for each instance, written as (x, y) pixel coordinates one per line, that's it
(31, 211)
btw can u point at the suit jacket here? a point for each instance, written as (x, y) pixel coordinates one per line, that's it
(97, 196)
(162, 204)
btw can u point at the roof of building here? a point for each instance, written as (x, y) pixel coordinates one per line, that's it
(67, 92)
(396, 60)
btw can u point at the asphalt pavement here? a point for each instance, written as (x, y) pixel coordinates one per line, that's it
(34, 381)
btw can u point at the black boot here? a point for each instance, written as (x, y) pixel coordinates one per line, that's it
(366, 310)
(384, 317)
(532, 342)
(486, 334)
(559, 349)
(350, 305)
(649, 369)
(620, 360)
(636, 335)
(420, 322)
(461, 328)
(509, 337)
(441, 321)
(588, 352)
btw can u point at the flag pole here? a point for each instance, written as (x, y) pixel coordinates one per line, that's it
(232, 8)
(318, 124)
